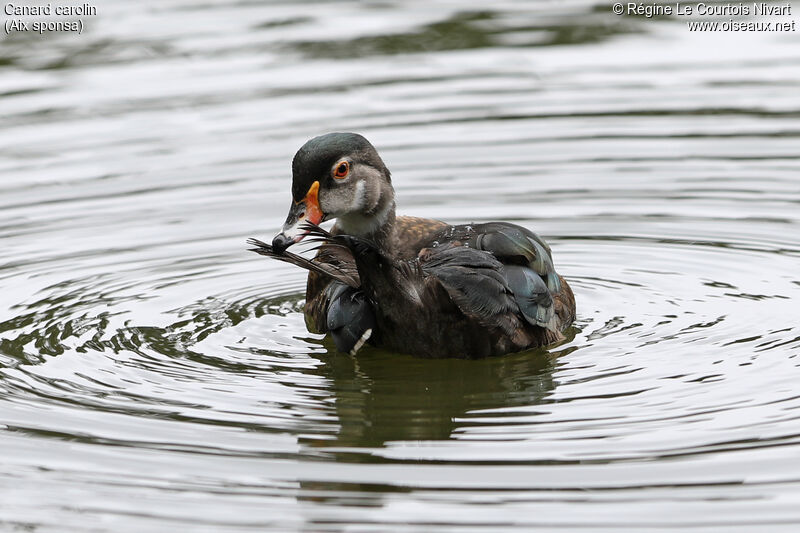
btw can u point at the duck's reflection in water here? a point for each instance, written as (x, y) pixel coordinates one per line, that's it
(384, 398)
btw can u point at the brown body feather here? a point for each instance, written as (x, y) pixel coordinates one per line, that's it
(438, 324)
(410, 235)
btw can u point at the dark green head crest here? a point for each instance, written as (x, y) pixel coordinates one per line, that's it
(313, 161)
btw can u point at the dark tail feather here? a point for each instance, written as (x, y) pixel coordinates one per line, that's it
(325, 269)
(316, 234)
(316, 230)
(359, 247)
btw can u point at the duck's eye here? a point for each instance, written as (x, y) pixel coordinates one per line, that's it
(342, 170)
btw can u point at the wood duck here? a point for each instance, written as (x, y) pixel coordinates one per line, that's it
(407, 284)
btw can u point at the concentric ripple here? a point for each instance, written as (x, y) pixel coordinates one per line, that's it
(155, 376)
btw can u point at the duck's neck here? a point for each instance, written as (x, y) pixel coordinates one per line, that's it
(375, 224)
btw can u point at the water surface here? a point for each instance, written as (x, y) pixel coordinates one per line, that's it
(155, 376)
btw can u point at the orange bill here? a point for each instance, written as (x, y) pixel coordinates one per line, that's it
(306, 210)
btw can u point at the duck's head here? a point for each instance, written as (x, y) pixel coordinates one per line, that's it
(337, 175)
